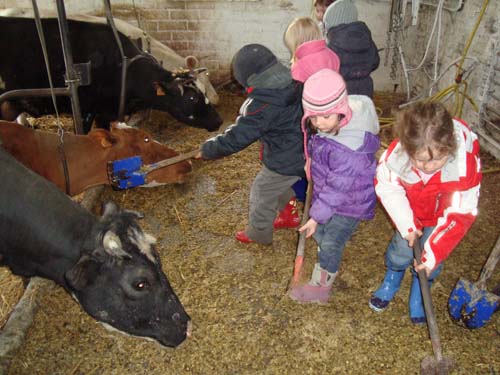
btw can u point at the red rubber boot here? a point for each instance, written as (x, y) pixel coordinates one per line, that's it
(288, 217)
(242, 237)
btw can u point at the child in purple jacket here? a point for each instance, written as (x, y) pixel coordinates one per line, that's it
(341, 146)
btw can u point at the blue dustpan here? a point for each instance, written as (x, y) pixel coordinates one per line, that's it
(470, 303)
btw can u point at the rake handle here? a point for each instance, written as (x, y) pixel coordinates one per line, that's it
(490, 265)
(299, 257)
(164, 163)
(429, 309)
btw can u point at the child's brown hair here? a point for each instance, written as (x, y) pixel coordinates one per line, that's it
(319, 8)
(324, 3)
(301, 30)
(425, 126)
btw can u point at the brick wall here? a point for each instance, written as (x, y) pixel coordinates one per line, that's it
(213, 30)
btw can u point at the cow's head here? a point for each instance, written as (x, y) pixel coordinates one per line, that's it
(183, 100)
(202, 79)
(177, 95)
(121, 283)
(124, 141)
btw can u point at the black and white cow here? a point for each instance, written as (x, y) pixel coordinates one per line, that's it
(108, 264)
(149, 85)
(166, 56)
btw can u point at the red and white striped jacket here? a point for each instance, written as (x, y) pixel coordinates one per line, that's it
(447, 201)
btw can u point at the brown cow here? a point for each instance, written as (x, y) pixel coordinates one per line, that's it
(87, 155)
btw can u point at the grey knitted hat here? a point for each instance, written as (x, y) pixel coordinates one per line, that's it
(251, 59)
(341, 11)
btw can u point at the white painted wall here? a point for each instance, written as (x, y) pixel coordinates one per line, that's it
(457, 29)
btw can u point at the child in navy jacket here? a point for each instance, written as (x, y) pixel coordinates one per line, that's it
(271, 114)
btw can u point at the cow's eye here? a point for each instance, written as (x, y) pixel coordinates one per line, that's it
(146, 139)
(141, 285)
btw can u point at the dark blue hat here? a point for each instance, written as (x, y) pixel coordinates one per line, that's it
(252, 59)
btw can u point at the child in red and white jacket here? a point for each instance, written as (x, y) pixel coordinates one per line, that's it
(428, 181)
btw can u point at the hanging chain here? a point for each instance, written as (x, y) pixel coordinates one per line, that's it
(394, 35)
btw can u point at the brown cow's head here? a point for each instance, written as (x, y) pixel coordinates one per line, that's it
(127, 142)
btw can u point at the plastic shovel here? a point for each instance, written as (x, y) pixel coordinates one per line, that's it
(471, 304)
(131, 172)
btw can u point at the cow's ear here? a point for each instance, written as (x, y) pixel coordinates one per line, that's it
(160, 90)
(109, 208)
(82, 273)
(191, 62)
(103, 137)
(113, 246)
(137, 214)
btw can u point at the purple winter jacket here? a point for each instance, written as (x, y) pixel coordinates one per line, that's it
(343, 178)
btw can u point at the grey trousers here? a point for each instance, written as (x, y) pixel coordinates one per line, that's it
(270, 193)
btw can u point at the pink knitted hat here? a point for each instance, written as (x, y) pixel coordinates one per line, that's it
(325, 94)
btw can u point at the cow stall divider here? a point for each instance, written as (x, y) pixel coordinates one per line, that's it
(76, 74)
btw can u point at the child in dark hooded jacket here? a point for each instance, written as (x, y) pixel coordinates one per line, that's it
(271, 114)
(352, 41)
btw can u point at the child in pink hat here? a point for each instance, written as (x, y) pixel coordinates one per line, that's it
(341, 134)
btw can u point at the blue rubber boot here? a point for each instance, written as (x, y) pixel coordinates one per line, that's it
(387, 290)
(416, 303)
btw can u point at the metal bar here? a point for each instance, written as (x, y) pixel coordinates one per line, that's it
(492, 110)
(495, 97)
(492, 124)
(72, 78)
(489, 143)
(125, 62)
(33, 93)
(121, 106)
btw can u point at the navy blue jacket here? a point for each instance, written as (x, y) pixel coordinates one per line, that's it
(358, 54)
(271, 115)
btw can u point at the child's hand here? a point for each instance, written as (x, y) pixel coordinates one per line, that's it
(420, 267)
(411, 237)
(309, 227)
(199, 155)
